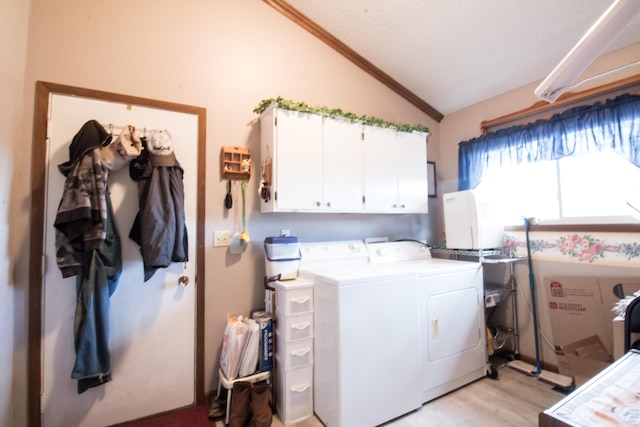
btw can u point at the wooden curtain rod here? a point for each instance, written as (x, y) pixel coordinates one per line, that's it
(564, 100)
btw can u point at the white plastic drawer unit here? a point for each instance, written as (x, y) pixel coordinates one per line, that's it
(294, 328)
(297, 354)
(294, 393)
(294, 301)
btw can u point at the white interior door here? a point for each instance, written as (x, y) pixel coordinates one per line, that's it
(152, 324)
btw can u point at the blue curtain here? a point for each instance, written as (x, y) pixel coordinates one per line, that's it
(613, 124)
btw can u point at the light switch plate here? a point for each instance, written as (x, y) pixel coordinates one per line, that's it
(221, 238)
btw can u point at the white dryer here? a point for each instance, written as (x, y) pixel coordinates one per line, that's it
(366, 336)
(451, 310)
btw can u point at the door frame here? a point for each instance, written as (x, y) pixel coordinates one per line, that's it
(43, 96)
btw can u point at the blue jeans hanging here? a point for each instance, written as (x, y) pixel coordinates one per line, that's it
(91, 327)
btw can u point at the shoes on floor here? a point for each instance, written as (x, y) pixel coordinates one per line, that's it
(217, 409)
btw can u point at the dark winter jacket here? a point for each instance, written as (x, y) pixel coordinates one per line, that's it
(159, 228)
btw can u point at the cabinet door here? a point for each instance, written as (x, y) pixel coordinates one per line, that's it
(380, 170)
(299, 161)
(342, 141)
(413, 191)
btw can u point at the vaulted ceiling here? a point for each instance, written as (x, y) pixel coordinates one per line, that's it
(450, 54)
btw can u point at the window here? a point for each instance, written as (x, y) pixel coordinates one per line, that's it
(599, 187)
(578, 166)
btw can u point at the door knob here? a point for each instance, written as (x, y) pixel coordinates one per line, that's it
(183, 281)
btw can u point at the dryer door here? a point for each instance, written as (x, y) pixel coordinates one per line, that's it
(453, 323)
(452, 328)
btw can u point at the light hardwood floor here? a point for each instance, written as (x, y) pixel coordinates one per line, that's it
(514, 399)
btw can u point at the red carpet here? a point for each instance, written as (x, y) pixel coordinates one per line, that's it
(191, 417)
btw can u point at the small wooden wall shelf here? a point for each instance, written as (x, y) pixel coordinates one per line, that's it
(235, 162)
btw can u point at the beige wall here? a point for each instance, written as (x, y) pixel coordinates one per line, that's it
(226, 57)
(14, 181)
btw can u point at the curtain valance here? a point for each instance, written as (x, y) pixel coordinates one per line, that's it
(612, 124)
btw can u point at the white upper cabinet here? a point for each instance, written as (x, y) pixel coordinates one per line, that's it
(380, 174)
(311, 163)
(298, 161)
(413, 188)
(395, 171)
(342, 142)
(315, 162)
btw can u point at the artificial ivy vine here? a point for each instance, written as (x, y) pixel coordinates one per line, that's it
(302, 107)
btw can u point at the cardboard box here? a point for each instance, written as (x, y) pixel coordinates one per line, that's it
(579, 308)
(575, 311)
(265, 361)
(585, 358)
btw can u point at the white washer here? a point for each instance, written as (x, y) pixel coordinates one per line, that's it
(366, 338)
(451, 306)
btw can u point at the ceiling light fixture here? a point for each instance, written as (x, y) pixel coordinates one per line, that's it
(606, 28)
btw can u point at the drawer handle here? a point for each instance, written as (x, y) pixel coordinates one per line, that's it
(300, 352)
(301, 326)
(300, 388)
(300, 300)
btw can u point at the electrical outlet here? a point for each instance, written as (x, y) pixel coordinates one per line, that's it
(221, 238)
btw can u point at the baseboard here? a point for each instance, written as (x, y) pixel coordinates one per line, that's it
(544, 365)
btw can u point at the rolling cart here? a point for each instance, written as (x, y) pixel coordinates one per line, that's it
(502, 336)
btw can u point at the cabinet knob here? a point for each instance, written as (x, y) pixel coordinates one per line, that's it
(394, 206)
(318, 204)
(328, 204)
(402, 206)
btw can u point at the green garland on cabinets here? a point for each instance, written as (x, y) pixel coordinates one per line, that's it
(302, 107)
